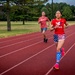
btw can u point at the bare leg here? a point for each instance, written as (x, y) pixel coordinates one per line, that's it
(44, 35)
(59, 46)
(58, 53)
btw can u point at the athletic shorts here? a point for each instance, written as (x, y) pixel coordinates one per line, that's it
(59, 37)
(43, 29)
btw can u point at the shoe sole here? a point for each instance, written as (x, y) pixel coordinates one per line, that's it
(46, 40)
(55, 68)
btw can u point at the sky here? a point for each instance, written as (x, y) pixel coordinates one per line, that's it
(71, 2)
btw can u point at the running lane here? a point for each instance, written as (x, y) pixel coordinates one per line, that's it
(25, 44)
(67, 64)
(37, 65)
(31, 61)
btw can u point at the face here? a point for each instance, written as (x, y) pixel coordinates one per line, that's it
(43, 14)
(58, 14)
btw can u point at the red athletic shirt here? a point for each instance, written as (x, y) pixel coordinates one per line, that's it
(60, 29)
(42, 20)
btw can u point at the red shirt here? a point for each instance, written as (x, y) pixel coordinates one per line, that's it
(42, 20)
(60, 23)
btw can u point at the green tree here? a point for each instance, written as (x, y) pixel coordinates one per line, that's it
(67, 13)
(25, 6)
(49, 7)
(8, 16)
(7, 13)
(45, 10)
(73, 9)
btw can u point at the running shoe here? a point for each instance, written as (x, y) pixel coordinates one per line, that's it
(46, 40)
(56, 66)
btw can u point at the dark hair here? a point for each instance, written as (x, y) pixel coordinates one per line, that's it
(59, 11)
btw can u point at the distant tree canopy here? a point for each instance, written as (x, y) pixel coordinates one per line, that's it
(21, 10)
(30, 10)
(16, 10)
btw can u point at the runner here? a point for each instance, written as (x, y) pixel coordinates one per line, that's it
(57, 24)
(43, 22)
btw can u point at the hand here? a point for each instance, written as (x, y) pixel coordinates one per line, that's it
(66, 26)
(51, 30)
(48, 25)
(57, 26)
(41, 20)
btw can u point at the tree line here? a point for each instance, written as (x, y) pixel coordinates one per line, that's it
(30, 10)
(17, 9)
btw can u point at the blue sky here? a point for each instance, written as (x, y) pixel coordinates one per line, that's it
(71, 2)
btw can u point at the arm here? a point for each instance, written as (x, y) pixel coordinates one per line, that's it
(48, 22)
(66, 25)
(53, 26)
(39, 21)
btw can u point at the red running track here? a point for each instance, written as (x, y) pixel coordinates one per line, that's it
(28, 55)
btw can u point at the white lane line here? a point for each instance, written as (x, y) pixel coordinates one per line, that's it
(26, 47)
(61, 59)
(19, 42)
(19, 38)
(20, 49)
(22, 37)
(22, 42)
(26, 60)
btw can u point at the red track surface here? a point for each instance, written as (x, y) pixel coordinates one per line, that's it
(28, 55)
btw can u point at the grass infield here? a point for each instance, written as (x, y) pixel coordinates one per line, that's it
(17, 28)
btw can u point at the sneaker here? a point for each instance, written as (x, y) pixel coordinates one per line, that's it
(56, 66)
(46, 40)
(62, 52)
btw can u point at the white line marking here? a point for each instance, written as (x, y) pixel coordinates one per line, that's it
(20, 49)
(21, 37)
(22, 42)
(19, 42)
(26, 59)
(61, 59)
(18, 38)
(26, 47)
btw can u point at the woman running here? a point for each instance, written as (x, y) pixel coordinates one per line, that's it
(42, 21)
(57, 24)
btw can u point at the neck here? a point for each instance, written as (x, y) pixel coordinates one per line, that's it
(43, 16)
(58, 18)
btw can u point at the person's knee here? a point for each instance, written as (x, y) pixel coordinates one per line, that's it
(58, 49)
(43, 32)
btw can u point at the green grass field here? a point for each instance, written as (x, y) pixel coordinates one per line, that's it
(18, 28)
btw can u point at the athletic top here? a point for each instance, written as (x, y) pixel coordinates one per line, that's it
(42, 20)
(60, 23)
